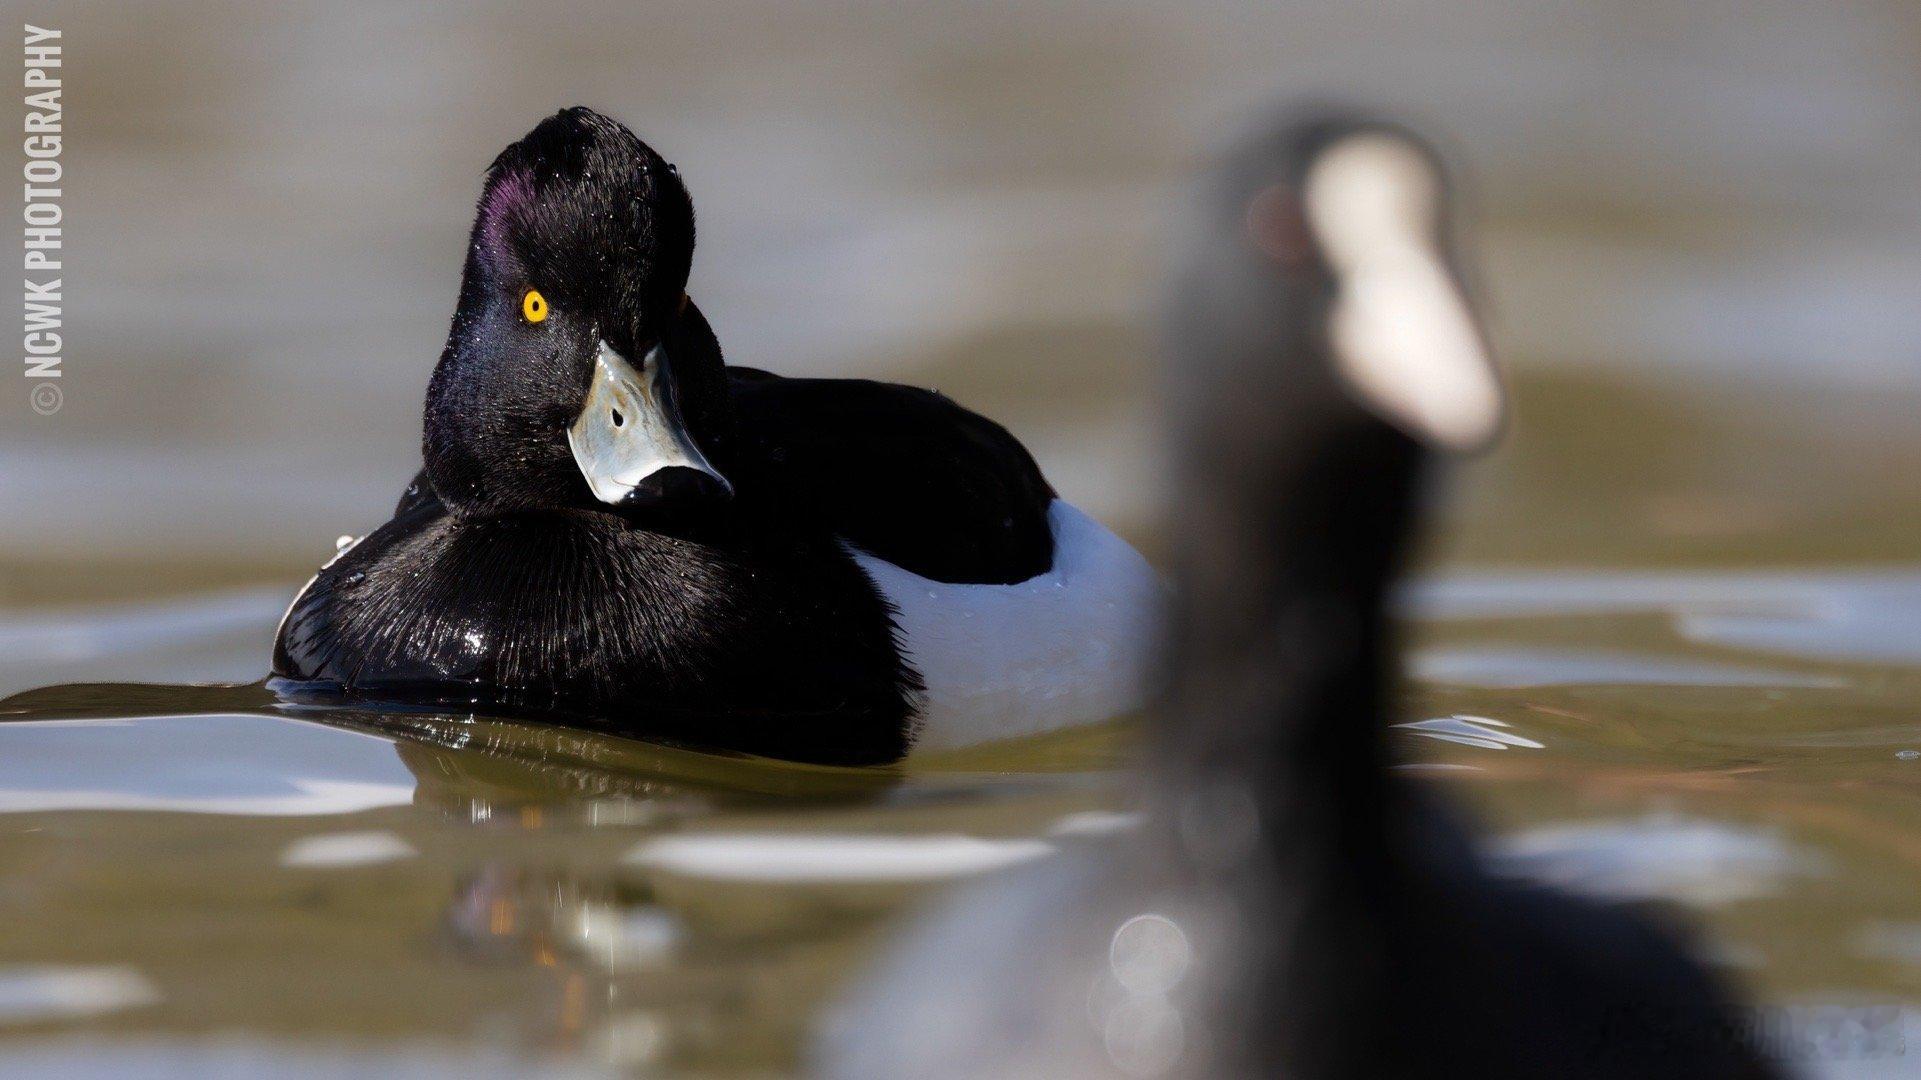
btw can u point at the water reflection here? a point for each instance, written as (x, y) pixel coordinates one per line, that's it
(475, 767)
(1482, 731)
(36, 994)
(790, 857)
(1862, 616)
(550, 891)
(236, 1057)
(149, 746)
(544, 916)
(1659, 857)
(210, 764)
(1510, 666)
(332, 851)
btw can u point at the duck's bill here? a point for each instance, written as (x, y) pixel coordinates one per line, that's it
(630, 441)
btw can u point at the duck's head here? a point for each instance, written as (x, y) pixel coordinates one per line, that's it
(577, 374)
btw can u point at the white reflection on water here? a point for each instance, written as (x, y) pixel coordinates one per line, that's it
(1482, 731)
(40, 993)
(627, 936)
(1512, 667)
(1095, 823)
(1864, 616)
(1693, 860)
(307, 797)
(342, 850)
(231, 1057)
(211, 764)
(829, 857)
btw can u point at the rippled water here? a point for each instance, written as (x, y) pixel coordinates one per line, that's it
(206, 861)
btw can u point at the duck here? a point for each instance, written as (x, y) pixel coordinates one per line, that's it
(614, 528)
(1289, 903)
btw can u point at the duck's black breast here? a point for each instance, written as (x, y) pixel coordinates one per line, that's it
(901, 473)
(762, 635)
(762, 639)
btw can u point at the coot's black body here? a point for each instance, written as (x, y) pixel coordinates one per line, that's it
(713, 600)
(1293, 906)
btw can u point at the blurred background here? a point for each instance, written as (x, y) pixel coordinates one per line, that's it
(1679, 209)
(1665, 643)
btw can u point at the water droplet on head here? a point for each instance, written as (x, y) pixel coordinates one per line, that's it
(1908, 755)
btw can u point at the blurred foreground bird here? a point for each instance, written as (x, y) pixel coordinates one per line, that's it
(1293, 906)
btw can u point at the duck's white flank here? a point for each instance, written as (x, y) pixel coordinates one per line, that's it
(1000, 661)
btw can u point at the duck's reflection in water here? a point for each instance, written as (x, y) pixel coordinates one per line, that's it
(480, 770)
(515, 912)
(649, 968)
(513, 891)
(490, 787)
(610, 946)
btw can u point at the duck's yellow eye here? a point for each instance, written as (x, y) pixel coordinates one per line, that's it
(533, 306)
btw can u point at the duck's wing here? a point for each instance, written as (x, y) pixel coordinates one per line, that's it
(901, 473)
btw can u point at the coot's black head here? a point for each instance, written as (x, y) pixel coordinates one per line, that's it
(577, 374)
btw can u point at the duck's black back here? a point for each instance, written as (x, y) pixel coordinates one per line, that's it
(901, 473)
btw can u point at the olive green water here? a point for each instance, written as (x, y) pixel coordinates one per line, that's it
(199, 876)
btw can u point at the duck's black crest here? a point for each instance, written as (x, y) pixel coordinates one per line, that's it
(594, 214)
